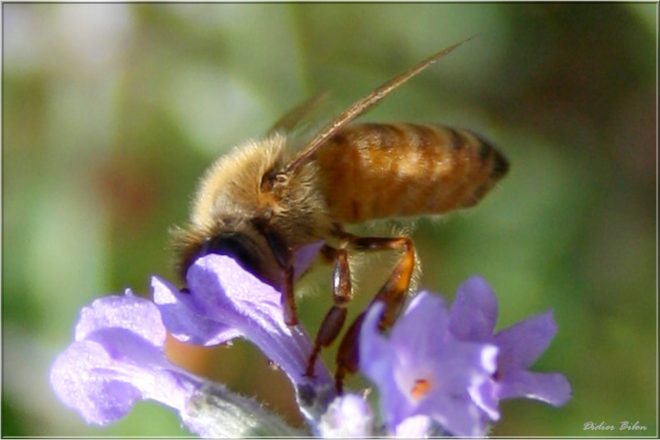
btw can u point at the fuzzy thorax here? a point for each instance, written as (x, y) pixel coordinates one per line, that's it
(231, 199)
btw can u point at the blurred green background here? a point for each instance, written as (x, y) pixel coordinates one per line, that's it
(111, 112)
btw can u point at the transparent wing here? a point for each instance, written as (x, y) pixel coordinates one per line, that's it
(299, 117)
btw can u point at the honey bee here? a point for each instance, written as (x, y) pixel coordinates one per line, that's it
(262, 203)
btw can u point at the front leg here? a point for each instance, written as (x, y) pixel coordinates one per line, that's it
(284, 258)
(288, 300)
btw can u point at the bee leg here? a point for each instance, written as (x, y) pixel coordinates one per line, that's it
(341, 294)
(288, 298)
(284, 258)
(392, 294)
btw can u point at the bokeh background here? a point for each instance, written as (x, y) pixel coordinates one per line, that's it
(111, 112)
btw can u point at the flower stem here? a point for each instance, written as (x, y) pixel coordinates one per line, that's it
(213, 411)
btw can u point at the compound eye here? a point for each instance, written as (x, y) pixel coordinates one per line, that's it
(272, 178)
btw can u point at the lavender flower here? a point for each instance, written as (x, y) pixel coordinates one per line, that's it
(437, 372)
(226, 301)
(472, 318)
(118, 358)
(422, 370)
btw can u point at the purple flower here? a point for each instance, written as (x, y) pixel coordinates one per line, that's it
(117, 358)
(226, 301)
(472, 318)
(437, 371)
(422, 370)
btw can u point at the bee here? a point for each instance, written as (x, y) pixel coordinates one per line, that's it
(262, 203)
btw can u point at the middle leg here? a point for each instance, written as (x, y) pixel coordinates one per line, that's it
(342, 293)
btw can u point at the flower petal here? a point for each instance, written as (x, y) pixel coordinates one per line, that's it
(185, 320)
(426, 311)
(130, 312)
(460, 365)
(456, 413)
(105, 374)
(522, 343)
(304, 257)
(552, 388)
(376, 362)
(376, 356)
(225, 293)
(484, 395)
(100, 399)
(474, 311)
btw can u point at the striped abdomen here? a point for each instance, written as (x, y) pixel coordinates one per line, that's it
(371, 171)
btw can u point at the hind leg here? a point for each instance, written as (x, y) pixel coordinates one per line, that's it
(392, 294)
